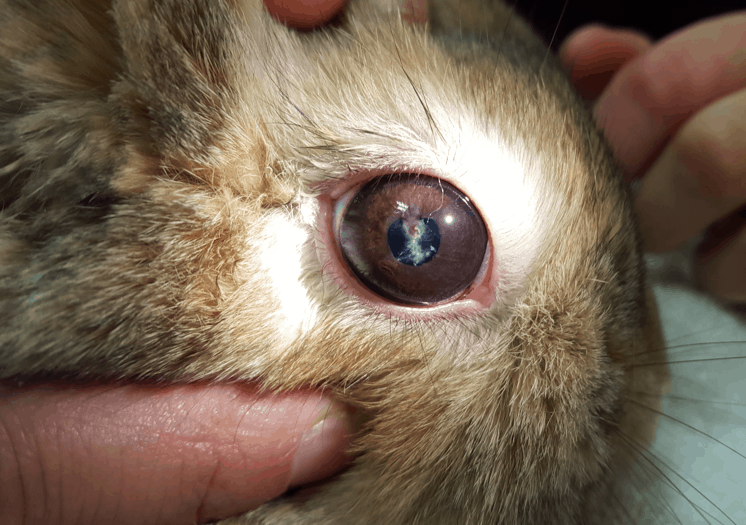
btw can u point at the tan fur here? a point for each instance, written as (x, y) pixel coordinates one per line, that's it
(145, 151)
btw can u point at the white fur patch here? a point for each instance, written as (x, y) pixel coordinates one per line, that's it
(281, 256)
(497, 177)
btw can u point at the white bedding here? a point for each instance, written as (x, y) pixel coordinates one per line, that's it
(707, 350)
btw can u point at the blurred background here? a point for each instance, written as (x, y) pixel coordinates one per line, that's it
(657, 18)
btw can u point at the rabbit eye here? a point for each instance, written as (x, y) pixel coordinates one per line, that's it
(412, 239)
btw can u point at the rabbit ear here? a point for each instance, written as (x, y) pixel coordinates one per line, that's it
(480, 18)
(469, 17)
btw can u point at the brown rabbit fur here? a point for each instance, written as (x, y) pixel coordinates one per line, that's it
(160, 160)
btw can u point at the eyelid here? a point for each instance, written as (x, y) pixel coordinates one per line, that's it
(335, 189)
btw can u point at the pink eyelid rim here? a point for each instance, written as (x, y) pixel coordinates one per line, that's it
(477, 299)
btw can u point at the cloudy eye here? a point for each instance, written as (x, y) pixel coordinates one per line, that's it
(412, 239)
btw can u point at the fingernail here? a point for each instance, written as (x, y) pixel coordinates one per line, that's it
(320, 450)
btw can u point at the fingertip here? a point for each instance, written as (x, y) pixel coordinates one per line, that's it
(594, 54)
(304, 14)
(284, 440)
(589, 40)
(318, 455)
(578, 40)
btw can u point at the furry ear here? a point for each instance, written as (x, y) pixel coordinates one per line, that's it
(480, 18)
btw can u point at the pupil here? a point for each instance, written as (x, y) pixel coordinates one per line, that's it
(415, 241)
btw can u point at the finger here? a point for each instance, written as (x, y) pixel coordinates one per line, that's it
(304, 14)
(719, 265)
(139, 454)
(649, 99)
(593, 54)
(699, 178)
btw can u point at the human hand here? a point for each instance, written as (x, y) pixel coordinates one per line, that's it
(675, 114)
(178, 454)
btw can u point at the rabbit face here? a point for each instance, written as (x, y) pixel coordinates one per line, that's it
(424, 223)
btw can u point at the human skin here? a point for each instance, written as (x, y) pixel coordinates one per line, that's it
(158, 454)
(675, 114)
(143, 454)
(304, 14)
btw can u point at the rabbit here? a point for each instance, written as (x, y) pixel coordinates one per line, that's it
(191, 191)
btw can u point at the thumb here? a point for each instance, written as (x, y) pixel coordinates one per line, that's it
(158, 454)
